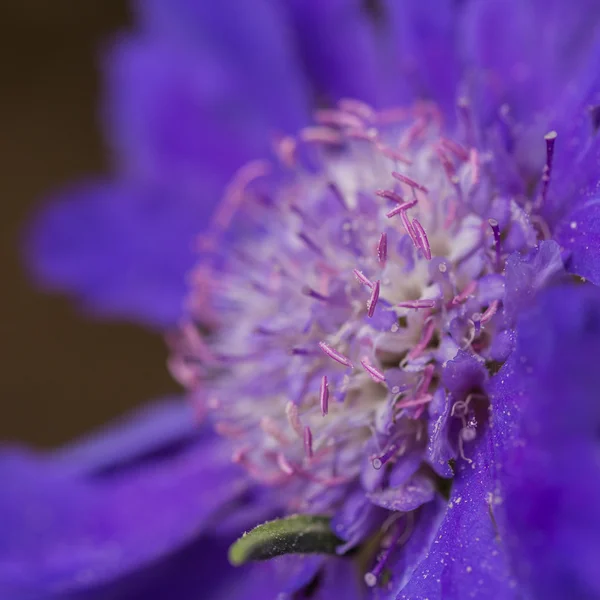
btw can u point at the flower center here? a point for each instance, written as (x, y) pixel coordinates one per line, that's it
(373, 254)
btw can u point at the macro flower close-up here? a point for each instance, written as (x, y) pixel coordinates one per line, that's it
(369, 233)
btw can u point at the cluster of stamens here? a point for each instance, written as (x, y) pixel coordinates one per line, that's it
(375, 255)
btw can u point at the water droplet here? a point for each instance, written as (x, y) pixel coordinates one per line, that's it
(370, 579)
(377, 464)
(573, 224)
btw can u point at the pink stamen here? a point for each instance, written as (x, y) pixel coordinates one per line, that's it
(270, 427)
(459, 151)
(401, 208)
(422, 345)
(408, 181)
(426, 381)
(446, 164)
(324, 135)
(475, 165)
(364, 135)
(362, 278)
(375, 373)
(390, 195)
(337, 118)
(284, 464)
(285, 149)
(329, 351)
(291, 411)
(490, 312)
(422, 400)
(409, 229)
(236, 191)
(357, 107)
(413, 133)
(392, 115)
(382, 249)
(464, 295)
(372, 303)
(308, 442)
(392, 154)
(417, 304)
(451, 216)
(324, 395)
(423, 239)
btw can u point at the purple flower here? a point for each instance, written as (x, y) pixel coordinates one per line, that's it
(394, 328)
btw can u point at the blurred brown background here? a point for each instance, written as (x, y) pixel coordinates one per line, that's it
(61, 374)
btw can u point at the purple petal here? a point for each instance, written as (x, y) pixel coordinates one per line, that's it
(122, 250)
(61, 533)
(422, 39)
(340, 46)
(410, 495)
(251, 41)
(579, 233)
(356, 520)
(182, 119)
(527, 274)
(524, 53)
(465, 559)
(157, 427)
(546, 419)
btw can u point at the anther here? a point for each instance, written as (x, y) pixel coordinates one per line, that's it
(372, 302)
(363, 278)
(400, 209)
(343, 360)
(324, 395)
(408, 181)
(323, 135)
(358, 108)
(376, 374)
(382, 249)
(291, 412)
(308, 447)
(390, 195)
(417, 304)
(422, 237)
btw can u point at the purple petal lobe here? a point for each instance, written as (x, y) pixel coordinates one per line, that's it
(465, 559)
(546, 419)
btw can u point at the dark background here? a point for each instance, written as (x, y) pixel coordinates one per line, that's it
(61, 373)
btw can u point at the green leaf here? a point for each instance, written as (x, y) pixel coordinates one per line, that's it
(298, 534)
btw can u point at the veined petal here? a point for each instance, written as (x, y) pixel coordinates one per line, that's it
(466, 559)
(546, 419)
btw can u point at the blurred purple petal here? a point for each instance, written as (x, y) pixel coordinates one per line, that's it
(123, 250)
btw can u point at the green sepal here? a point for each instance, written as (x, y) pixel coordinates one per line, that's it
(298, 534)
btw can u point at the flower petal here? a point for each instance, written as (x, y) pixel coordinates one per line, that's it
(422, 40)
(158, 427)
(62, 533)
(546, 419)
(465, 559)
(123, 250)
(579, 233)
(339, 46)
(252, 41)
(523, 54)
